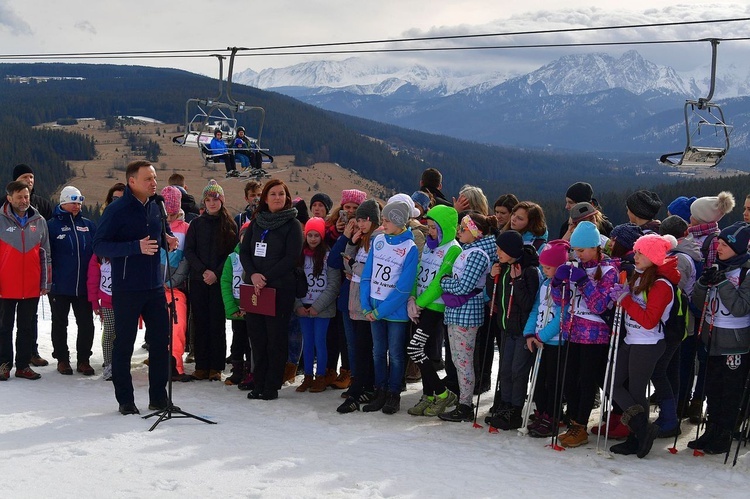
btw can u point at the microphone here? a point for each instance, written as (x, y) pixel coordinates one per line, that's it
(159, 200)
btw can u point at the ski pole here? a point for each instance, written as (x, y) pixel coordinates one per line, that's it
(619, 319)
(486, 345)
(503, 335)
(714, 311)
(559, 385)
(744, 432)
(537, 362)
(523, 430)
(741, 415)
(510, 299)
(605, 407)
(697, 341)
(609, 374)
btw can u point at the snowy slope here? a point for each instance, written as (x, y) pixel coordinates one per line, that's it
(359, 76)
(586, 73)
(62, 435)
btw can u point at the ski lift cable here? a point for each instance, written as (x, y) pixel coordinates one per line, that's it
(127, 53)
(389, 50)
(511, 33)
(192, 53)
(488, 47)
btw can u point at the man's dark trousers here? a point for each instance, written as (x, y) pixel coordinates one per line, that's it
(152, 306)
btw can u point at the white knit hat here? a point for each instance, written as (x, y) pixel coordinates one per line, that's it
(710, 209)
(70, 194)
(405, 198)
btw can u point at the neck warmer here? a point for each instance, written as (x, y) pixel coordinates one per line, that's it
(734, 262)
(267, 220)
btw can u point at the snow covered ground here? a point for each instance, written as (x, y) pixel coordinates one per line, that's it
(62, 436)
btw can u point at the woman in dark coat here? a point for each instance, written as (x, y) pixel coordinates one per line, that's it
(268, 253)
(209, 240)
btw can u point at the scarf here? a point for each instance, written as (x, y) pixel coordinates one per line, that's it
(434, 243)
(734, 262)
(703, 230)
(271, 221)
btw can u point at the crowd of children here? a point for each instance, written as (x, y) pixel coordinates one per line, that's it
(387, 284)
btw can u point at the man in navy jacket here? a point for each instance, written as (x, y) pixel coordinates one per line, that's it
(130, 235)
(71, 236)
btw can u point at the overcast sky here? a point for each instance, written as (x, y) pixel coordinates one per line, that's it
(27, 27)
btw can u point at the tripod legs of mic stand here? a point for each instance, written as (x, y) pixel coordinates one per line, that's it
(173, 412)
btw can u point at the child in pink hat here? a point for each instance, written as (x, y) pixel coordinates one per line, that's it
(542, 332)
(345, 212)
(647, 301)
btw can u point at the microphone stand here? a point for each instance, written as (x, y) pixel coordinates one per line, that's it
(171, 411)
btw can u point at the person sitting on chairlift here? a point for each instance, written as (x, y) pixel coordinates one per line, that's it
(219, 151)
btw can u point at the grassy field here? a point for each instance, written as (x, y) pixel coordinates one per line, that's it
(95, 177)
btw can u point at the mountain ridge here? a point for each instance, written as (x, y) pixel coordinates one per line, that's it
(582, 102)
(357, 73)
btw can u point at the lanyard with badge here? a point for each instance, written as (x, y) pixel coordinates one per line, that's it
(261, 247)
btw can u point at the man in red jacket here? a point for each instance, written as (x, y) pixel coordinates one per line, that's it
(25, 270)
(24, 173)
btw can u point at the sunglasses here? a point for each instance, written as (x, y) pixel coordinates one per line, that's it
(77, 198)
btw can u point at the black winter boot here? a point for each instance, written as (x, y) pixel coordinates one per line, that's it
(626, 448)
(392, 403)
(509, 420)
(462, 412)
(708, 435)
(720, 444)
(238, 374)
(377, 402)
(645, 432)
(498, 410)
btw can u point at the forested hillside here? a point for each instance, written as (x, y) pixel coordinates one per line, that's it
(390, 155)
(44, 150)
(291, 127)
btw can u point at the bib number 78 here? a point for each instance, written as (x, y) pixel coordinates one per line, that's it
(383, 272)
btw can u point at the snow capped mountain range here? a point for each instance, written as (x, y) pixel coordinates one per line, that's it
(357, 76)
(568, 75)
(585, 102)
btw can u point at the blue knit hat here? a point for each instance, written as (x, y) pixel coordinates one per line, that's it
(681, 207)
(585, 235)
(737, 236)
(626, 235)
(421, 199)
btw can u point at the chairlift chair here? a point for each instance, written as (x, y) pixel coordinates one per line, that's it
(700, 115)
(218, 113)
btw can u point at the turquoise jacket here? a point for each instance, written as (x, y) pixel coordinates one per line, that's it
(394, 307)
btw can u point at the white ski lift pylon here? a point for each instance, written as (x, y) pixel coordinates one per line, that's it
(703, 115)
(213, 113)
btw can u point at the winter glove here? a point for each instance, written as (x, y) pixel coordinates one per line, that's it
(712, 276)
(618, 292)
(578, 276)
(562, 274)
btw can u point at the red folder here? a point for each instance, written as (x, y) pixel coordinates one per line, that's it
(262, 304)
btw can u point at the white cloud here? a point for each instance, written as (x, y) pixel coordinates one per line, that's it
(11, 21)
(58, 27)
(86, 27)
